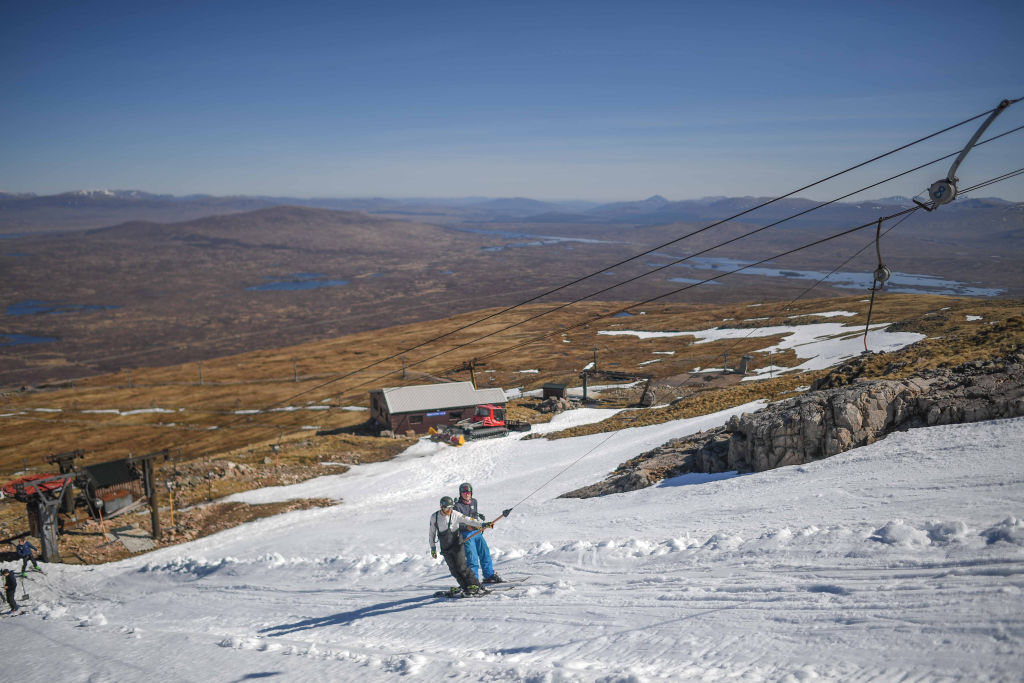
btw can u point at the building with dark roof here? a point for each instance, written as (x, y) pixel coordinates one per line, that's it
(418, 408)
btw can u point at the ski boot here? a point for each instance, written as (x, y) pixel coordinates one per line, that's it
(494, 578)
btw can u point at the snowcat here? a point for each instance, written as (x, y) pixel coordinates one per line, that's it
(486, 421)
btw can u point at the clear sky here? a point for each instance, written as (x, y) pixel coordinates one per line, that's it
(551, 100)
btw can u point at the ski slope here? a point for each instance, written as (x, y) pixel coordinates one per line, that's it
(901, 560)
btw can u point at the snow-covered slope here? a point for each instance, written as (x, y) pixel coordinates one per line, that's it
(904, 559)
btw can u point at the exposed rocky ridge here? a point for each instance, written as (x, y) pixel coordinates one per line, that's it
(831, 420)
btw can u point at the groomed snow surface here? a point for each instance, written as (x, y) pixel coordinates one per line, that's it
(903, 560)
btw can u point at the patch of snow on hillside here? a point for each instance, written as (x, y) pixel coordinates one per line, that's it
(827, 314)
(820, 345)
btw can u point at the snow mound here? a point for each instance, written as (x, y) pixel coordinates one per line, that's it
(93, 620)
(898, 533)
(1010, 530)
(944, 533)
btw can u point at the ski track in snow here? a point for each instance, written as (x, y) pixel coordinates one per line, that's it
(899, 560)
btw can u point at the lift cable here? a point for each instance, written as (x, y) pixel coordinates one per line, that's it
(719, 276)
(944, 191)
(678, 261)
(601, 291)
(588, 321)
(420, 345)
(904, 214)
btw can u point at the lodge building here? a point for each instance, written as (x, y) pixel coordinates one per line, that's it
(420, 407)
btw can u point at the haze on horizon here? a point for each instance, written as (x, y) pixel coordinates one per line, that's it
(593, 101)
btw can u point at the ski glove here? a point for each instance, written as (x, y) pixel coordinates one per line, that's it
(433, 554)
(488, 525)
(506, 513)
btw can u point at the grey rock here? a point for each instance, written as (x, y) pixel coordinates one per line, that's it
(841, 415)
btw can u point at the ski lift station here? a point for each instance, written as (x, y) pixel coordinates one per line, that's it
(415, 409)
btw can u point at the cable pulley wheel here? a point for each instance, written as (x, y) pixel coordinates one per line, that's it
(882, 274)
(942, 192)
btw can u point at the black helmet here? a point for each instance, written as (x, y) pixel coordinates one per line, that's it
(465, 486)
(447, 502)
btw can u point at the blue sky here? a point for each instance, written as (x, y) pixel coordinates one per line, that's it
(556, 100)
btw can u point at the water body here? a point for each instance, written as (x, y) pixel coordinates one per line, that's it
(296, 282)
(692, 281)
(38, 307)
(545, 239)
(19, 339)
(910, 283)
(531, 239)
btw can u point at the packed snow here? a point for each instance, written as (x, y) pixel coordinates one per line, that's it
(903, 560)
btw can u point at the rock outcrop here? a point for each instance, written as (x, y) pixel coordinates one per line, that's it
(827, 421)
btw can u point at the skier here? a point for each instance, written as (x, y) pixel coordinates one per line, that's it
(10, 585)
(477, 551)
(26, 551)
(444, 527)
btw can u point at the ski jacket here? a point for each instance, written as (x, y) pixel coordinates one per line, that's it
(445, 528)
(10, 583)
(468, 509)
(25, 549)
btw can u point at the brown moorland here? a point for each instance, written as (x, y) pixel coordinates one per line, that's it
(139, 295)
(283, 415)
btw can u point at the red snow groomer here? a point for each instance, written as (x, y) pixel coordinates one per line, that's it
(486, 421)
(32, 484)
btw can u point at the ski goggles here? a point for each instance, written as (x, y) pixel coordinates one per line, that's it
(465, 488)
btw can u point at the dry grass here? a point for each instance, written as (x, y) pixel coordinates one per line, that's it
(204, 426)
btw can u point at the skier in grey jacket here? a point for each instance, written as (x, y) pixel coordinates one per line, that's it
(444, 527)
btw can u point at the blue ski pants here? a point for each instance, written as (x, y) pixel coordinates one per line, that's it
(477, 552)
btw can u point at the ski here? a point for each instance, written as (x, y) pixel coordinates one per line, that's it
(506, 584)
(457, 594)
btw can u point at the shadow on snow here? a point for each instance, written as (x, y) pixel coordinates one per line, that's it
(343, 618)
(697, 478)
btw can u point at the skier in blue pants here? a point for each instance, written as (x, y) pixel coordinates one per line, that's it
(477, 552)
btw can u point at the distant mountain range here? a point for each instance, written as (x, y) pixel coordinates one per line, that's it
(88, 209)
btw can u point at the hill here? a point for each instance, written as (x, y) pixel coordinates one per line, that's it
(307, 399)
(141, 293)
(889, 562)
(148, 293)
